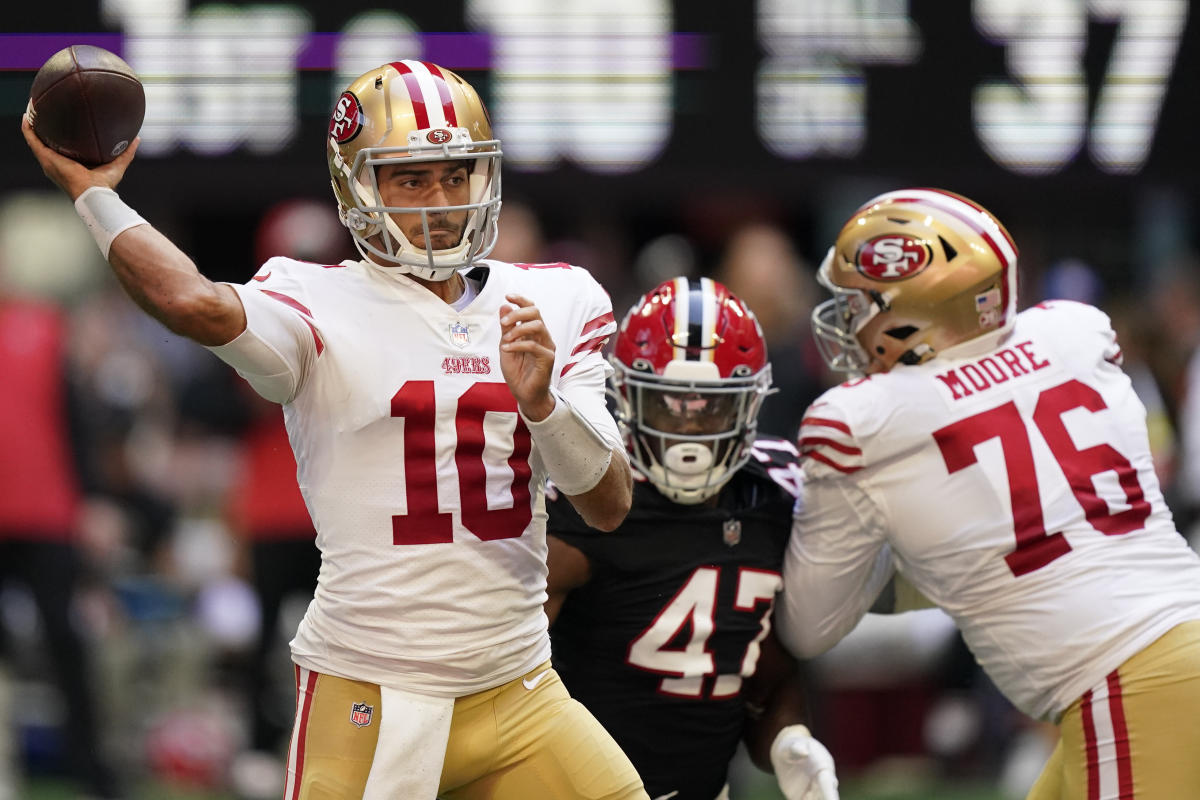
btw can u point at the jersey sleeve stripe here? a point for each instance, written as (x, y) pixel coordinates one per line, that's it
(825, 422)
(808, 443)
(305, 315)
(843, 468)
(598, 322)
(591, 345)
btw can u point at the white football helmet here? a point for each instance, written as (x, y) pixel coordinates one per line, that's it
(422, 112)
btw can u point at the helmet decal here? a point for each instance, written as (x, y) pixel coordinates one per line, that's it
(346, 121)
(438, 136)
(893, 257)
(431, 100)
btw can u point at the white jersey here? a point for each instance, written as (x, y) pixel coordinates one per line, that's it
(1010, 480)
(419, 475)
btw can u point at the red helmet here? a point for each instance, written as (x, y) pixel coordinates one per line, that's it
(690, 374)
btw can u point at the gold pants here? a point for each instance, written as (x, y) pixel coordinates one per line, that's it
(1137, 733)
(525, 739)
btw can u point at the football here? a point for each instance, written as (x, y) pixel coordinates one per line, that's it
(87, 104)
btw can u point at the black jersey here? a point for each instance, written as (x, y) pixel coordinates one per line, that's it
(656, 644)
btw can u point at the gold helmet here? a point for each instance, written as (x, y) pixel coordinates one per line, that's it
(419, 111)
(913, 272)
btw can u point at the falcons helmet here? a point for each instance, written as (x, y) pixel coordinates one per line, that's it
(418, 111)
(690, 374)
(913, 272)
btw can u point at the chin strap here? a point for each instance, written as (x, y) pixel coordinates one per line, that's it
(803, 767)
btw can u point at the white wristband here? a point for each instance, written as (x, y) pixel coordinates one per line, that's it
(105, 215)
(576, 456)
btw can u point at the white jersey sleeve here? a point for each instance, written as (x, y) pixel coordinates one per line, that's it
(845, 543)
(281, 340)
(584, 371)
(1013, 483)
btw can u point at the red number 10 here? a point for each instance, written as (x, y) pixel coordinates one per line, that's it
(424, 523)
(1035, 549)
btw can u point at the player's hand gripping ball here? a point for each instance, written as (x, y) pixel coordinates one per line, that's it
(87, 104)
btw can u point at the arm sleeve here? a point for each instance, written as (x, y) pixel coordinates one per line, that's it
(278, 348)
(836, 563)
(585, 371)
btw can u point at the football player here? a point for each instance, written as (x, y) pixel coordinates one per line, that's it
(428, 393)
(999, 461)
(663, 627)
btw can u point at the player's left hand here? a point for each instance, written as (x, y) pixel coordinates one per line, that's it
(526, 356)
(803, 767)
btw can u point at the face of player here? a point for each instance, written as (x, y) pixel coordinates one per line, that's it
(432, 185)
(689, 413)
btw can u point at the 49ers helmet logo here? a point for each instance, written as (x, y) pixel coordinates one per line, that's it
(893, 257)
(439, 136)
(346, 121)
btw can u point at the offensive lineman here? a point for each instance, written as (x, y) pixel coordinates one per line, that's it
(662, 628)
(1000, 463)
(426, 402)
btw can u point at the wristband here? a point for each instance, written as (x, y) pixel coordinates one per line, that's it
(105, 215)
(575, 455)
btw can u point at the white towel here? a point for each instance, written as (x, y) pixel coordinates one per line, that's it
(413, 733)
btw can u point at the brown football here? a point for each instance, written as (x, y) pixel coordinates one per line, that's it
(87, 104)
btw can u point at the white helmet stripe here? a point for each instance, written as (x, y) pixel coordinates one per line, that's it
(423, 88)
(682, 308)
(708, 322)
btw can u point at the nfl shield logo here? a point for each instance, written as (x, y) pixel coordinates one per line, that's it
(732, 533)
(460, 335)
(360, 714)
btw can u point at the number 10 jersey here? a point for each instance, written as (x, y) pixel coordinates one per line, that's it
(421, 478)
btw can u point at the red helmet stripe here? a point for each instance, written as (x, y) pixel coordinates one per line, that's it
(413, 85)
(443, 94)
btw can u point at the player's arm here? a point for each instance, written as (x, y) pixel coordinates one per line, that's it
(568, 568)
(836, 564)
(155, 273)
(775, 735)
(589, 468)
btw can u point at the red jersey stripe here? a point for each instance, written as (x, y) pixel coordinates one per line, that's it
(810, 442)
(287, 301)
(831, 463)
(592, 325)
(825, 422)
(591, 345)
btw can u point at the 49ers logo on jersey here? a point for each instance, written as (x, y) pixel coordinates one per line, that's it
(346, 121)
(893, 257)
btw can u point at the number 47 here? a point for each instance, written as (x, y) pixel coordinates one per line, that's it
(1035, 549)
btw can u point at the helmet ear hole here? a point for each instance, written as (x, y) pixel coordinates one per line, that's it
(902, 332)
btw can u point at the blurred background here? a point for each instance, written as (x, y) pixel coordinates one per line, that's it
(155, 556)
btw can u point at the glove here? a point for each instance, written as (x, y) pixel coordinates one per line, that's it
(803, 767)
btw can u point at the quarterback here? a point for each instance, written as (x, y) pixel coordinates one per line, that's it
(663, 627)
(1000, 463)
(428, 394)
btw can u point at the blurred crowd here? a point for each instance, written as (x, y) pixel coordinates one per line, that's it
(156, 556)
